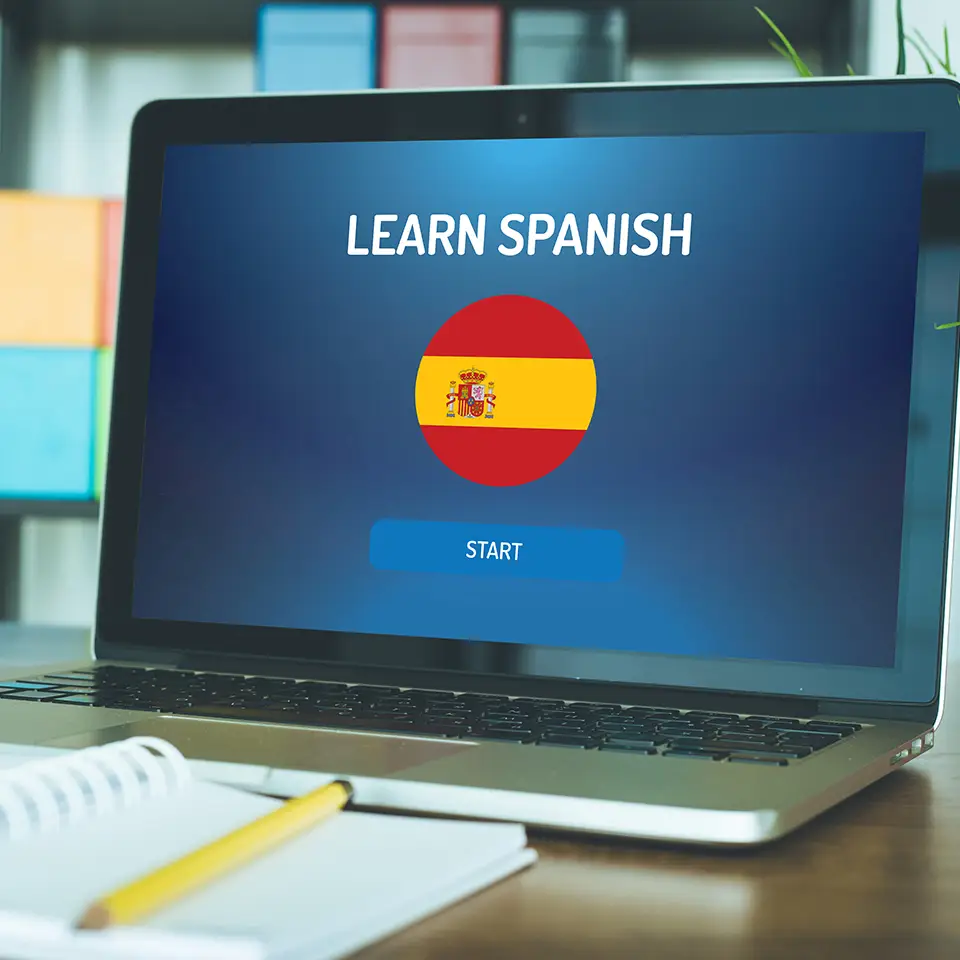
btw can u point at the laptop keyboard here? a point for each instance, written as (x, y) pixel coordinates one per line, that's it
(696, 734)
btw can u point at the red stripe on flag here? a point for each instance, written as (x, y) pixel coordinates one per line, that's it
(501, 456)
(509, 326)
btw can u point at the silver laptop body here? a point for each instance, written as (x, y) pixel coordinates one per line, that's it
(618, 733)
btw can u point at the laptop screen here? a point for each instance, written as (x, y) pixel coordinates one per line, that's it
(640, 394)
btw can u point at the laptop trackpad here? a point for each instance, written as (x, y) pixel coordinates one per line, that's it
(290, 748)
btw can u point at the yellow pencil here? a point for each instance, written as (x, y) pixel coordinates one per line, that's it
(156, 890)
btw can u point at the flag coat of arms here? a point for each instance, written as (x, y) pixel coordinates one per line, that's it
(505, 390)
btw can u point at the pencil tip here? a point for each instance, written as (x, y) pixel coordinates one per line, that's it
(97, 917)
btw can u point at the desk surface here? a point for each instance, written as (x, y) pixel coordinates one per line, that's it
(877, 877)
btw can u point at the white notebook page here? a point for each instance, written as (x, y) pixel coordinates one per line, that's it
(352, 880)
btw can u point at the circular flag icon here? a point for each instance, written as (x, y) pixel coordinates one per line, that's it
(505, 390)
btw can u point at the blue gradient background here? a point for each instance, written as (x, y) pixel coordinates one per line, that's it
(750, 430)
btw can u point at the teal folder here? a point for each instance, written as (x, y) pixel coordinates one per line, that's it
(47, 415)
(316, 47)
(568, 45)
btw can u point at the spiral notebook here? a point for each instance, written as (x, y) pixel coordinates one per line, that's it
(75, 826)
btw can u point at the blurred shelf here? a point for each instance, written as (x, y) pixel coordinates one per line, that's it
(37, 507)
(160, 39)
(655, 25)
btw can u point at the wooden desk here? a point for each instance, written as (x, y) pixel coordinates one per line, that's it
(877, 877)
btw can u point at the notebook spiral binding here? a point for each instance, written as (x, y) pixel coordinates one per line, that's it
(46, 795)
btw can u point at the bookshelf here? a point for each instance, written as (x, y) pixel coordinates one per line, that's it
(667, 24)
(73, 73)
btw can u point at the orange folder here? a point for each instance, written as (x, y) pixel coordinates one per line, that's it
(50, 269)
(440, 46)
(112, 236)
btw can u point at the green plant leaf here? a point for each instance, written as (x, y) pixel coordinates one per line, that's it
(943, 62)
(802, 69)
(946, 326)
(851, 71)
(926, 60)
(946, 51)
(780, 48)
(901, 42)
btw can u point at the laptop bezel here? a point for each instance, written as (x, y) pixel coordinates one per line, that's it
(377, 116)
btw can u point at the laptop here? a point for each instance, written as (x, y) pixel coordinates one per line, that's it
(579, 456)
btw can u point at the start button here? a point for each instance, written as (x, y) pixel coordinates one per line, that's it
(497, 550)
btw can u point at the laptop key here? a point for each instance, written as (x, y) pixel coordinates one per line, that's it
(513, 724)
(387, 703)
(729, 745)
(697, 754)
(636, 733)
(778, 721)
(745, 737)
(769, 761)
(78, 699)
(454, 715)
(502, 713)
(817, 741)
(709, 715)
(624, 724)
(385, 715)
(562, 715)
(623, 740)
(749, 729)
(630, 747)
(830, 726)
(685, 741)
(611, 709)
(26, 685)
(686, 733)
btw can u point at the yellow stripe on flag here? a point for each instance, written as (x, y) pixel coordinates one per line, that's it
(531, 392)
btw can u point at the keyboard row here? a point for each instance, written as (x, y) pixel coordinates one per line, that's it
(707, 735)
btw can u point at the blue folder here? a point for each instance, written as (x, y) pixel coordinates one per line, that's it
(316, 47)
(47, 398)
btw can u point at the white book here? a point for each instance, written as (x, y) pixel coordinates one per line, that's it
(74, 827)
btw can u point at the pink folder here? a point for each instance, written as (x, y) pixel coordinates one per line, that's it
(440, 46)
(112, 234)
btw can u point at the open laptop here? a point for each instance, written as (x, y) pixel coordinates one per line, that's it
(579, 456)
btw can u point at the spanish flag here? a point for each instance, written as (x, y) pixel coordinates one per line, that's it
(505, 390)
